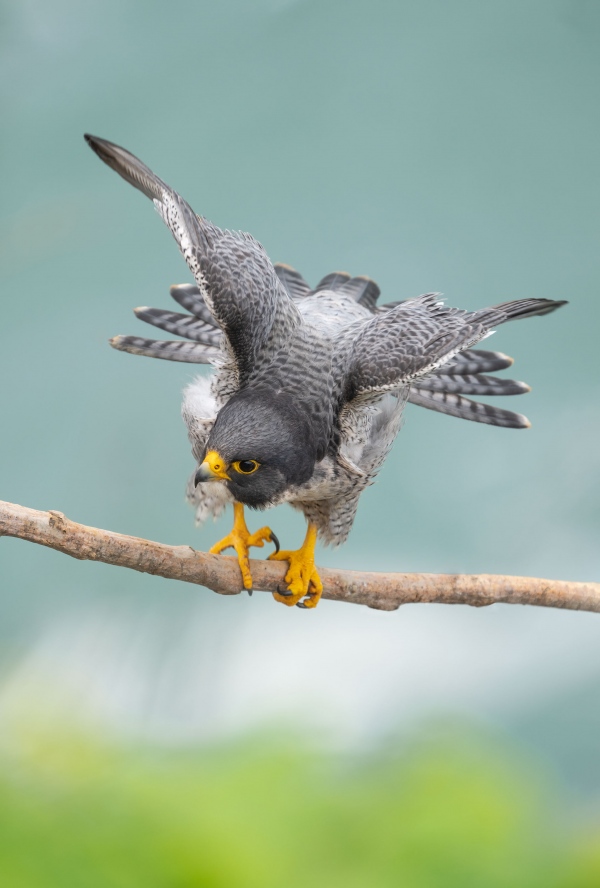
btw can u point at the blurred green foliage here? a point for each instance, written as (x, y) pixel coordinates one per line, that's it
(455, 811)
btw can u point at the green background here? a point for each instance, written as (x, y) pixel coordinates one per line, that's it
(432, 146)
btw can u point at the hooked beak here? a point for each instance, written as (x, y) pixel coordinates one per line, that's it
(212, 469)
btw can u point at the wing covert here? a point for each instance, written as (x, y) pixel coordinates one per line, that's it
(412, 339)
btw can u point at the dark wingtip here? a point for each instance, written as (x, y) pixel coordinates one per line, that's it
(553, 304)
(127, 165)
(550, 305)
(106, 151)
(95, 143)
(100, 147)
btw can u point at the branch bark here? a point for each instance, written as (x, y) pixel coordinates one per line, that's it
(383, 591)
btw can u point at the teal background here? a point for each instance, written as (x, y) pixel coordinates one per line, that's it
(432, 146)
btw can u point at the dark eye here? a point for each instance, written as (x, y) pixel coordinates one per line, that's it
(245, 466)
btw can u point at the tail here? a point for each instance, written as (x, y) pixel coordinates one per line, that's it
(201, 342)
(453, 404)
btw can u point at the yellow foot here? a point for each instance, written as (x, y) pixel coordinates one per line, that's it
(304, 586)
(241, 539)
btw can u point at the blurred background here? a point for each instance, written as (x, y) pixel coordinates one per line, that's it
(155, 734)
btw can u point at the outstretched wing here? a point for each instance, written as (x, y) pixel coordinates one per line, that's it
(416, 337)
(234, 274)
(406, 342)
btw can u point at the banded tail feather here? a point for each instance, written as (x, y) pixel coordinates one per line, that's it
(463, 408)
(472, 384)
(332, 281)
(190, 298)
(292, 280)
(475, 360)
(202, 335)
(188, 326)
(363, 290)
(165, 349)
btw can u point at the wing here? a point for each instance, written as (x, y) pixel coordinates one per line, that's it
(406, 342)
(234, 274)
(418, 336)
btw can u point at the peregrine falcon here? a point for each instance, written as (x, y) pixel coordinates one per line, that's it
(309, 385)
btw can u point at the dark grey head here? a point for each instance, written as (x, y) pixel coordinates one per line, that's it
(262, 442)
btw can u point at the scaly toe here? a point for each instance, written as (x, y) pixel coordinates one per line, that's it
(315, 590)
(260, 537)
(225, 543)
(241, 540)
(311, 601)
(297, 585)
(304, 586)
(245, 571)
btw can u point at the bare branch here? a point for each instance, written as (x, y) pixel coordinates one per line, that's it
(383, 591)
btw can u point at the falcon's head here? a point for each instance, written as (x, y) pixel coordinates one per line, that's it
(262, 442)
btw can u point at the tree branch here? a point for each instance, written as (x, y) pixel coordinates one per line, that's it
(383, 591)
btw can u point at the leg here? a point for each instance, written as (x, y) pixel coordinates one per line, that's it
(241, 539)
(302, 577)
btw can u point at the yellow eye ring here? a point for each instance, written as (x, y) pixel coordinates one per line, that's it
(245, 466)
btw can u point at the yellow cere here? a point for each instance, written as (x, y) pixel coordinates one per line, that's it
(216, 464)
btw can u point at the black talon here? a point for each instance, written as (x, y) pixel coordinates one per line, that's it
(250, 591)
(285, 592)
(302, 605)
(276, 541)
